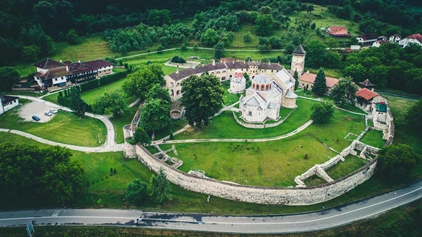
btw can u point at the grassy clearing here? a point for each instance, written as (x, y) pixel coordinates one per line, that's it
(228, 97)
(399, 107)
(174, 126)
(373, 138)
(64, 127)
(270, 163)
(91, 95)
(343, 168)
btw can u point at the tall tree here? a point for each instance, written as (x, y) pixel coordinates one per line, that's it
(110, 104)
(344, 92)
(414, 116)
(296, 77)
(397, 161)
(320, 84)
(322, 112)
(8, 77)
(202, 97)
(141, 137)
(160, 187)
(264, 24)
(155, 115)
(76, 103)
(210, 37)
(140, 82)
(158, 92)
(219, 50)
(136, 191)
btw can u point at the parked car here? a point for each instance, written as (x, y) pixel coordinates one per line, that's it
(48, 113)
(53, 111)
(36, 118)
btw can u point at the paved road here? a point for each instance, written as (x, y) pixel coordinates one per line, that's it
(237, 224)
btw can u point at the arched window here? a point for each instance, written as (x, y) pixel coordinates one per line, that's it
(171, 84)
(177, 92)
(171, 92)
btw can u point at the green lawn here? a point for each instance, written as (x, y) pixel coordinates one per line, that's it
(120, 122)
(399, 107)
(228, 97)
(264, 164)
(343, 168)
(90, 96)
(314, 180)
(373, 138)
(64, 127)
(174, 126)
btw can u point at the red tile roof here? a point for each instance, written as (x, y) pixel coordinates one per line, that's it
(366, 94)
(310, 78)
(48, 64)
(418, 37)
(337, 31)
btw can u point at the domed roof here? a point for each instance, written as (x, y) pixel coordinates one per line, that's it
(261, 79)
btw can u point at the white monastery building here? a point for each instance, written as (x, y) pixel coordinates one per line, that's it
(237, 82)
(415, 39)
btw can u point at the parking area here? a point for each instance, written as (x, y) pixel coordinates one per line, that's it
(35, 108)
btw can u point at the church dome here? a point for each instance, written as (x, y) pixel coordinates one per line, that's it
(238, 73)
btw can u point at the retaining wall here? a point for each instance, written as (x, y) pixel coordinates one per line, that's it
(258, 126)
(260, 195)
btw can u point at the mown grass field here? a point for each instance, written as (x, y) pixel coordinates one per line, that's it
(342, 168)
(64, 127)
(373, 138)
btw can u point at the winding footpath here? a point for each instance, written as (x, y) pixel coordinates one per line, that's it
(293, 223)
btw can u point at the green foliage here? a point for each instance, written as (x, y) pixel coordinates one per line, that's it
(155, 115)
(320, 84)
(140, 82)
(72, 37)
(30, 53)
(177, 59)
(160, 187)
(136, 191)
(396, 162)
(158, 92)
(289, 48)
(202, 98)
(317, 55)
(8, 76)
(42, 174)
(414, 117)
(210, 37)
(344, 92)
(111, 78)
(219, 50)
(76, 104)
(247, 38)
(112, 103)
(89, 85)
(322, 112)
(141, 137)
(264, 24)
(296, 77)
(158, 17)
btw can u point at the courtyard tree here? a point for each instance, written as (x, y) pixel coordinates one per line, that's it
(141, 137)
(136, 191)
(202, 98)
(219, 50)
(110, 104)
(264, 24)
(155, 115)
(8, 77)
(296, 77)
(322, 112)
(160, 187)
(414, 116)
(397, 162)
(46, 175)
(140, 82)
(320, 84)
(158, 92)
(344, 92)
(76, 103)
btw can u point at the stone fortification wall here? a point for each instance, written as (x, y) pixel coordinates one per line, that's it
(257, 125)
(261, 195)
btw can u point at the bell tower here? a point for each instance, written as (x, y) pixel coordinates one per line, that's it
(298, 61)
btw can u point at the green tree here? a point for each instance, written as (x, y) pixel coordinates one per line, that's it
(76, 103)
(210, 37)
(160, 187)
(322, 112)
(158, 17)
(155, 115)
(136, 191)
(247, 38)
(264, 24)
(72, 37)
(8, 77)
(30, 53)
(320, 84)
(141, 137)
(158, 92)
(219, 50)
(140, 82)
(414, 117)
(289, 48)
(112, 103)
(344, 92)
(397, 162)
(296, 77)
(202, 98)
(355, 71)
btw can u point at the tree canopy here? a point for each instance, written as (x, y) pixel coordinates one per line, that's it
(344, 92)
(160, 187)
(31, 174)
(414, 117)
(322, 112)
(140, 82)
(112, 103)
(141, 137)
(158, 92)
(219, 50)
(397, 162)
(155, 115)
(320, 84)
(264, 24)
(136, 191)
(202, 98)
(8, 76)
(76, 104)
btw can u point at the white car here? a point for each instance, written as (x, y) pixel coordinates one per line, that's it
(53, 111)
(48, 113)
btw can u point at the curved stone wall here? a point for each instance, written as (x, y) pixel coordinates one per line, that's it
(257, 125)
(260, 195)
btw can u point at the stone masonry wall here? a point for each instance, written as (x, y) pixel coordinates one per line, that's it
(258, 126)
(261, 195)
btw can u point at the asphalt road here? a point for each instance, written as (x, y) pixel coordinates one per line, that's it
(236, 224)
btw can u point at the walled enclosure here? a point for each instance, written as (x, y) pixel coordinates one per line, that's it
(260, 195)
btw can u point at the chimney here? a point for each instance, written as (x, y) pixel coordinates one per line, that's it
(269, 63)
(67, 68)
(213, 62)
(372, 89)
(177, 71)
(307, 71)
(79, 61)
(60, 60)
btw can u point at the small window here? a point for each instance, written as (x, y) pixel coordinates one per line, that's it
(250, 113)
